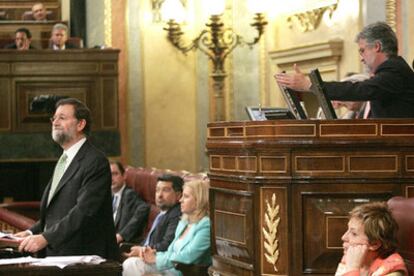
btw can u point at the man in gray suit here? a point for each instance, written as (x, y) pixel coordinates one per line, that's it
(129, 210)
(76, 210)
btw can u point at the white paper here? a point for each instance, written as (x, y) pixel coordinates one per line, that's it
(21, 260)
(61, 261)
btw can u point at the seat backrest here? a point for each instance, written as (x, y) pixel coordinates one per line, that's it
(402, 210)
(3, 15)
(28, 16)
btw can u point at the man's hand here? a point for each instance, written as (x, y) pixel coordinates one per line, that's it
(355, 256)
(119, 238)
(296, 81)
(22, 234)
(33, 243)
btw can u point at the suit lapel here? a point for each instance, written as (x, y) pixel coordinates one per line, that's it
(189, 235)
(119, 211)
(73, 167)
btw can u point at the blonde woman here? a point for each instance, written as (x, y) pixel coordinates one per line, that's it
(191, 244)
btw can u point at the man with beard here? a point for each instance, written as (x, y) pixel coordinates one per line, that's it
(76, 210)
(167, 196)
(390, 90)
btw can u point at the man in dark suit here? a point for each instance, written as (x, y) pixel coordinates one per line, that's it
(76, 210)
(129, 211)
(22, 40)
(390, 90)
(168, 193)
(59, 38)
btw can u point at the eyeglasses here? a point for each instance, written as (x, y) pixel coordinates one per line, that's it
(59, 118)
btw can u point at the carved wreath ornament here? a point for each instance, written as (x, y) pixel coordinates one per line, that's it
(271, 244)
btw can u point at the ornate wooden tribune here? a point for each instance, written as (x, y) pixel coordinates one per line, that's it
(281, 190)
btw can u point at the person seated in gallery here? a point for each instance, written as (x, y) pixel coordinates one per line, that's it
(168, 192)
(22, 40)
(59, 38)
(39, 13)
(130, 212)
(370, 243)
(191, 244)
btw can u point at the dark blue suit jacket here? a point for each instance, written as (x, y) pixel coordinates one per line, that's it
(163, 234)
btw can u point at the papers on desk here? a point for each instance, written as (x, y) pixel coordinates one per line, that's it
(61, 261)
(8, 240)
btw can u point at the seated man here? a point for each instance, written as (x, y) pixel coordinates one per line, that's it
(167, 196)
(39, 12)
(130, 212)
(22, 40)
(59, 38)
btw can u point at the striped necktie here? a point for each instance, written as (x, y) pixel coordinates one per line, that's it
(57, 175)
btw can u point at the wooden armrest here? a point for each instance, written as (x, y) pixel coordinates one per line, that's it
(191, 269)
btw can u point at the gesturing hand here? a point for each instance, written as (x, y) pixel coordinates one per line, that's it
(296, 81)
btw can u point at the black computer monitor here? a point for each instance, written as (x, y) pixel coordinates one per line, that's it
(319, 91)
(268, 113)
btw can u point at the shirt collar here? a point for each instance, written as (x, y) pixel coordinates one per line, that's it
(119, 193)
(73, 150)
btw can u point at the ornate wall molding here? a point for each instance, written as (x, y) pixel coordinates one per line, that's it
(309, 20)
(391, 13)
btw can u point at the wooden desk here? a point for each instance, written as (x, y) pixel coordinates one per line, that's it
(109, 268)
(281, 190)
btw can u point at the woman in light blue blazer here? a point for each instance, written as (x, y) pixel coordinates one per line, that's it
(191, 244)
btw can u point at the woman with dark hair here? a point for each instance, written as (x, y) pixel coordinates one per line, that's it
(370, 243)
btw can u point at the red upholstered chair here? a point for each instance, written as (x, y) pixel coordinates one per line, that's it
(14, 222)
(403, 210)
(28, 209)
(144, 181)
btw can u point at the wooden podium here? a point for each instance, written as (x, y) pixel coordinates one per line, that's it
(281, 190)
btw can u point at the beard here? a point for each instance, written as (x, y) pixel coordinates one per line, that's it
(61, 137)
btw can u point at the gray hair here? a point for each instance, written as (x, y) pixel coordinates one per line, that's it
(383, 34)
(60, 26)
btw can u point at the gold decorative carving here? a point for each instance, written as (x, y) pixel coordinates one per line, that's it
(391, 14)
(270, 243)
(108, 22)
(310, 20)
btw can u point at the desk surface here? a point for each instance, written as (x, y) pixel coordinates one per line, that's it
(110, 268)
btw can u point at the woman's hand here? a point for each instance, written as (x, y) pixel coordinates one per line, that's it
(149, 255)
(355, 256)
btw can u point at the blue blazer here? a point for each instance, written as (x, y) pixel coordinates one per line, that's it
(194, 248)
